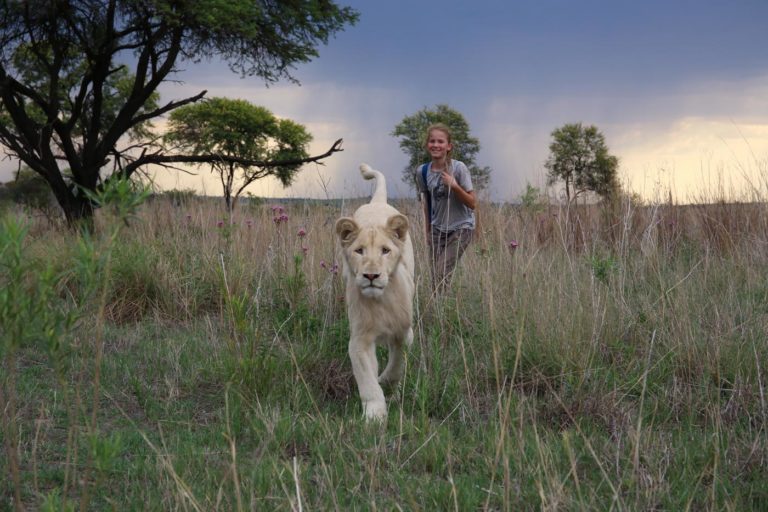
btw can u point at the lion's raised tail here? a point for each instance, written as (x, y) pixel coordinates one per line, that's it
(380, 192)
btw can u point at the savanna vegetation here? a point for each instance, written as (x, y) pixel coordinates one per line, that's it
(607, 357)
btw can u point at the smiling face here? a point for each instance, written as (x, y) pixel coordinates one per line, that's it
(438, 144)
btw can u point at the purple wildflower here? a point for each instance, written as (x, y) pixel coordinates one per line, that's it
(333, 269)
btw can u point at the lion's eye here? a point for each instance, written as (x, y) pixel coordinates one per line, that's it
(385, 250)
(359, 250)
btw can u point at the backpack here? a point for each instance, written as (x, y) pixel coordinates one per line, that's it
(429, 194)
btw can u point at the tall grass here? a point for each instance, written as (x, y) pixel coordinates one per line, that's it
(612, 358)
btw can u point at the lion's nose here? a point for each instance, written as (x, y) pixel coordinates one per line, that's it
(371, 277)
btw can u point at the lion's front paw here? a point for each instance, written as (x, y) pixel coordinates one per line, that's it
(375, 411)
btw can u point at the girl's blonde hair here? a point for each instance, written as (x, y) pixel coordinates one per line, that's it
(447, 131)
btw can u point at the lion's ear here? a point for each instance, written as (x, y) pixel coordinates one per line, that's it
(398, 225)
(346, 229)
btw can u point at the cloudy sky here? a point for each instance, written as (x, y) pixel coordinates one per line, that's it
(678, 87)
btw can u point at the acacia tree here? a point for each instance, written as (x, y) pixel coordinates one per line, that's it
(579, 157)
(60, 106)
(237, 128)
(412, 133)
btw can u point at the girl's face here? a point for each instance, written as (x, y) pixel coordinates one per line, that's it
(438, 144)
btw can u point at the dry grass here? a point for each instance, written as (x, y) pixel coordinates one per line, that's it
(613, 359)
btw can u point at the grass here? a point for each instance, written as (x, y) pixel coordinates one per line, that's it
(614, 360)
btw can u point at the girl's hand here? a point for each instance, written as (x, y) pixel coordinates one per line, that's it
(448, 179)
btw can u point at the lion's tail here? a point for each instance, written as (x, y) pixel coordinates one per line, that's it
(380, 193)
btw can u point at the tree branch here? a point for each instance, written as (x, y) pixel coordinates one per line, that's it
(160, 159)
(167, 108)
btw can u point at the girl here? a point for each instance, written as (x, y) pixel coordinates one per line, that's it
(448, 199)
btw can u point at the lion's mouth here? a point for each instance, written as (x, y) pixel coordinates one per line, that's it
(372, 290)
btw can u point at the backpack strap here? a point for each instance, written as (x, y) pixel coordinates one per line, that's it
(426, 187)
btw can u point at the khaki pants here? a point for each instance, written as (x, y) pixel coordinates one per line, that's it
(446, 250)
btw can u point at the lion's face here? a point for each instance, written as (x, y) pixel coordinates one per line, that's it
(372, 254)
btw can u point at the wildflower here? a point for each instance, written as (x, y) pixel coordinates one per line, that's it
(513, 245)
(220, 224)
(281, 218)
(304, 249)
(302, 233)
(189, 217)
(249, 223)
(333, 269)
(277, 209)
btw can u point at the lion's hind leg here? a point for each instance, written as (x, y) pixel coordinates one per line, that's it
(393, 373)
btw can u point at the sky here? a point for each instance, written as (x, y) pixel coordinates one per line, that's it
(679, 88)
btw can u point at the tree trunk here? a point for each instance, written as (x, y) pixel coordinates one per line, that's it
(78, 210)
(228, 188)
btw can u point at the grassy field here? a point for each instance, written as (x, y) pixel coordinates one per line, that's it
(615, 359)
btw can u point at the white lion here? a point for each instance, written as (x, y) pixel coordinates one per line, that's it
(378, 270)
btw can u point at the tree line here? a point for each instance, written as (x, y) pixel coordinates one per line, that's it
(77, 115)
